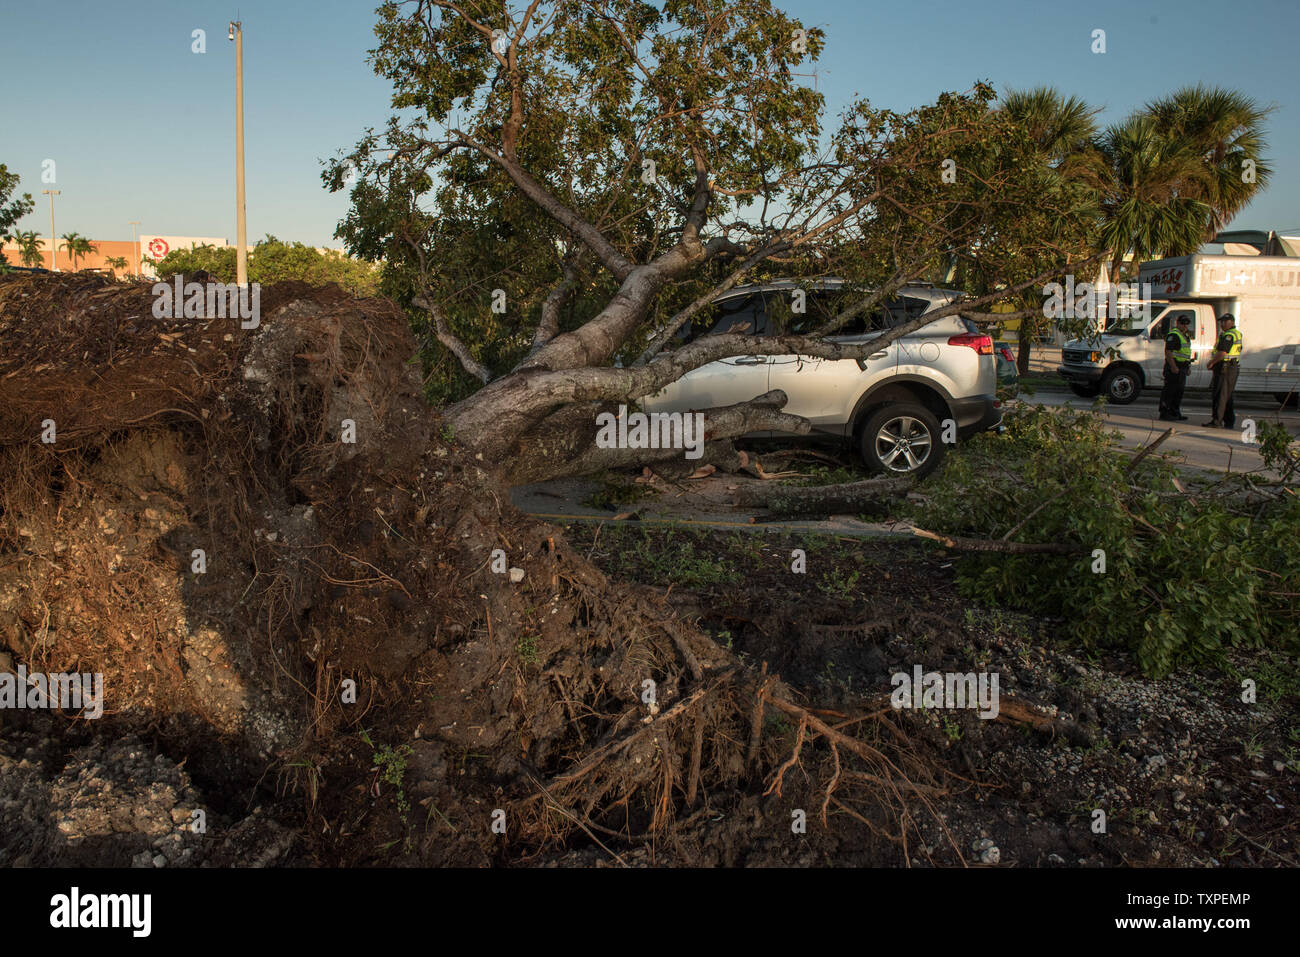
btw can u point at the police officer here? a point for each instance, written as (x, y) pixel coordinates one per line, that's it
(1224, 363)
(1178, 359)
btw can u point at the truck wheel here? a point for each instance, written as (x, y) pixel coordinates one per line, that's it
(1121, 386)
(902, 439)
(1087, 390)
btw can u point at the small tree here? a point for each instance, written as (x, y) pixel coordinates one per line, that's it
(216, 261)
(77, 246)
(116, 262)
(12, 210)
(29, 246)
(272, 260)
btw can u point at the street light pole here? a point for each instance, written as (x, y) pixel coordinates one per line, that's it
(236, 33)
(54, 248)
(135, 244)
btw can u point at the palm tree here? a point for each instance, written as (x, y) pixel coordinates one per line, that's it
(1179, 172)
(1151, 210)
(72, 246)
(115, 263)
(29, 246)
(1062, 130)
(76, 246)
(1071, 175)
(1224, 129)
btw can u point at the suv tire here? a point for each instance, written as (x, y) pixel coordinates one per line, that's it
(902, 439)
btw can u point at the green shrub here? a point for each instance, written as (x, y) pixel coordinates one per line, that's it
(1186, 576)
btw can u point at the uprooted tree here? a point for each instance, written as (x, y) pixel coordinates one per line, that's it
(565, 187)
(317, 624)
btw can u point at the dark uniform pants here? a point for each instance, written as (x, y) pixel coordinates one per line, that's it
(1221, 387)
(1171, 396)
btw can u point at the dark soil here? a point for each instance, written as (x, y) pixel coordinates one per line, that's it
(1185, 772)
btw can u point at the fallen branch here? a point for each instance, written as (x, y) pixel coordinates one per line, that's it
(1147, 450)
(825, 499)
(761, 414)
(995, 545)
(1024, 521)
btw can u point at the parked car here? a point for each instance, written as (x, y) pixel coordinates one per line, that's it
(1008, 372)
(898, 407)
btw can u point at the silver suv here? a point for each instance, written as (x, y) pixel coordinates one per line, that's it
(897, 406)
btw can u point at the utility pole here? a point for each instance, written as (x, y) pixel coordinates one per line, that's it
(236, 33)
(135, 244)
(54, 248)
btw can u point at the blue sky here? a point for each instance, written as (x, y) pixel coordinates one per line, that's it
(141, 128)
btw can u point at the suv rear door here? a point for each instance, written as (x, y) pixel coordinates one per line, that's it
(824, 390)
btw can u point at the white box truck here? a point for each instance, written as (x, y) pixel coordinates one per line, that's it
(1262, 292)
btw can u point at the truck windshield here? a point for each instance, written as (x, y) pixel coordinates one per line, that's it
(1135, 324)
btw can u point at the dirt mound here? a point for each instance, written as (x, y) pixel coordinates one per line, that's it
(288, 576)
(108, 803)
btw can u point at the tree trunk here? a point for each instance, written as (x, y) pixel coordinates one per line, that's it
(1024, 342)
(563, 444)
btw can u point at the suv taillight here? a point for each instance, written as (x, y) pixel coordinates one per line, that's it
(981, 344)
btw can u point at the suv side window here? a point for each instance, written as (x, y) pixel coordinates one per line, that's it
(906, 308)
(740, 314)
(885, 315)
(782, 320)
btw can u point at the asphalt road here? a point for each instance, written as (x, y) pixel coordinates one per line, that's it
(1201, 447)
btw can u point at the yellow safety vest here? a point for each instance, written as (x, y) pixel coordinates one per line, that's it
(1184, 351)
(1235, 351)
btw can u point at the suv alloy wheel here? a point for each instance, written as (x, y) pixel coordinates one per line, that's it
(902, 439)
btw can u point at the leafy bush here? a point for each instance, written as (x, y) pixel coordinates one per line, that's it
(273, 261)
(1186, 577)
